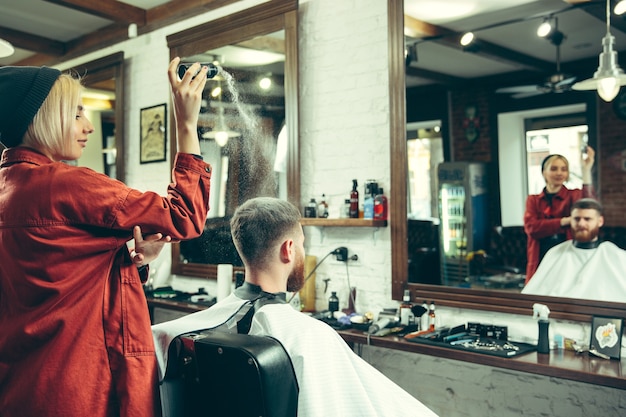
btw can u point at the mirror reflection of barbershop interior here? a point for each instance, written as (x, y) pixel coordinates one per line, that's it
(443, 142)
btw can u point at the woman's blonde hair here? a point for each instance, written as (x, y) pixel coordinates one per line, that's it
(51, 127)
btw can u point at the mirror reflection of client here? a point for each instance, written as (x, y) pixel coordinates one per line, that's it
(583, 267)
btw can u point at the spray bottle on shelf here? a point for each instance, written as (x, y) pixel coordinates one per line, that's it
(542, 312)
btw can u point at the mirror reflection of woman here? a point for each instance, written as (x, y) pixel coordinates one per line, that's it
(547, 215)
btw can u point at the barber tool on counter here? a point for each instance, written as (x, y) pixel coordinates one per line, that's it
(542, 312)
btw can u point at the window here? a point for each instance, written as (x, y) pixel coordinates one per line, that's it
(524, 138)
(425, 152)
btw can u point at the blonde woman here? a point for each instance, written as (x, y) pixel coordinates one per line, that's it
(76, 338)
(547, 215)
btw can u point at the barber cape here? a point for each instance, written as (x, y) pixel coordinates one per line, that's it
(333, 380)
(594, 274)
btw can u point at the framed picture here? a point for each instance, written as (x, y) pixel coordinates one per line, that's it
(153, 133)
(606, 336)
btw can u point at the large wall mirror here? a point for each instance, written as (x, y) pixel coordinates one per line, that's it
(453, 296)
(103, 99)
(248, 123)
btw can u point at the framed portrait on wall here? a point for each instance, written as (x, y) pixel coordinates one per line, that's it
(153, 133)
(606, 336)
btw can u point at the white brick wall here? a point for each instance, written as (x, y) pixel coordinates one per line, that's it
(344, 135)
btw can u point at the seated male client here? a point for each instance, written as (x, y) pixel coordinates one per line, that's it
(333, 380)
(583, 267)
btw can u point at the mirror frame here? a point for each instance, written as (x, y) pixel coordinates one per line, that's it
(497, 301)
(259, 20)
(105, 68)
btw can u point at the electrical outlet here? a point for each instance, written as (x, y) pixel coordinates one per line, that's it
(341, 254)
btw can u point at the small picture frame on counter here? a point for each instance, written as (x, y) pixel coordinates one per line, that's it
(606, 337)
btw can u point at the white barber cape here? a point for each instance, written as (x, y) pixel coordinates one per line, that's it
(594, 274)
(333, 380)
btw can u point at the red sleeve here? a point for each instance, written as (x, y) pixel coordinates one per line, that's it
(535, 223)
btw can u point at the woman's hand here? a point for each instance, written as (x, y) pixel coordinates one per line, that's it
(147, 248)
(187, 97)
(587, 162)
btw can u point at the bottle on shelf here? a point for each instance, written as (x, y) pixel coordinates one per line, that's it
(322, 208)
(333, 302)
(405, 313)
(431, 316)
(311, 209)
(380, 205)
(345, 209)
(371, 189)
(354, 201)
(424, 317)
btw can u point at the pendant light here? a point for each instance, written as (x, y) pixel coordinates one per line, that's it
(6, 49)
(220, 132)
(609, 77)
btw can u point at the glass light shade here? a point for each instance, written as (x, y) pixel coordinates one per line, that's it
(608, 88)
(620, 8)
(6, 49)
(221, 138)
(609, 77)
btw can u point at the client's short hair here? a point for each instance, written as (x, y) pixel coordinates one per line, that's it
(259, 223)
(588, 203)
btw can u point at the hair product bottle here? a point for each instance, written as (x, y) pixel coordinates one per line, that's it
(431, 317)
(405, 309)
(380, 206)
(354, 201)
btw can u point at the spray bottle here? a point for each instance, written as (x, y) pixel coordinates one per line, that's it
(542, 312)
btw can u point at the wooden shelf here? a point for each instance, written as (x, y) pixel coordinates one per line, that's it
(307, 221)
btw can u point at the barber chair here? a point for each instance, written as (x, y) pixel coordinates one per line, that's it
(423, 252)
(505, 266)
(218, 372)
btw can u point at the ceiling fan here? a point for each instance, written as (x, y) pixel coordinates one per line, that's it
(555, 83)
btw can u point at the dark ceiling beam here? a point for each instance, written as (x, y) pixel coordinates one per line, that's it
(157, 17)
(434, 76)
(30, 42)
(597, 9)
(111, 10)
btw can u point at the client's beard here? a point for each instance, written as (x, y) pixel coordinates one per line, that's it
(586, 235)
(295, 281)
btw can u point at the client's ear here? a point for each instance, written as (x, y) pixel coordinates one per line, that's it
(287, 251)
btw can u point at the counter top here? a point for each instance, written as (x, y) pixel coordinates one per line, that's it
(559, 363)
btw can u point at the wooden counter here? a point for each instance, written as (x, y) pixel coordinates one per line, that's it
(558, 364)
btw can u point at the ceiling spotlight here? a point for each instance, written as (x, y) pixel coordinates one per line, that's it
(620, 8)
(216, 92)
(551, 32)
(609, 77)
(467, 39)
(544, 29)
(265, 83)
(6, 49)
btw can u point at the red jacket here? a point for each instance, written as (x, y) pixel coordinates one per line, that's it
(541, 220)
(75, 336)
